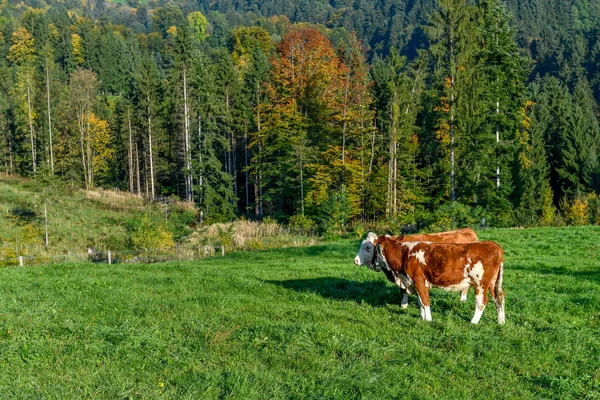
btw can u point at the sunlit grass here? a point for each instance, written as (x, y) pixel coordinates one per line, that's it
(302, 323)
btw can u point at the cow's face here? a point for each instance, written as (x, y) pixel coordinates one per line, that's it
(366, 252)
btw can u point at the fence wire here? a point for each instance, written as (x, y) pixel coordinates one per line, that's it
(145, 256)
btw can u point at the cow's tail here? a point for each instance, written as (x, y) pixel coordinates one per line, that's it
(498, 286)
(499, 293)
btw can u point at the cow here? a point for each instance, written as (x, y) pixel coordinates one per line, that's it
(367, 247)
(450, 266)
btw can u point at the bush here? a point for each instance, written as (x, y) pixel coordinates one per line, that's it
(451, 216)
(594, 208)
(22, 214)
(359, 230)
(548, 216)
(181, 221)
(334, 213)
(575, 211)
(301, 224)
(226, 237)
(144, 234)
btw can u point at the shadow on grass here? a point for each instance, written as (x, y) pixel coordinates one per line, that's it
(590, 276)
(375, 293)
(341, 249)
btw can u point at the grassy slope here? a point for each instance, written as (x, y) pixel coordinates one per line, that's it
(302, 323)
(76, 220)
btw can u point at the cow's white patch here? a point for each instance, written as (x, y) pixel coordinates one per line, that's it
(365, 254)
(426, 313)
(479, 306)
(477, 271)
(462, 286)
(501, 317)
(371, 237)
(410, 245)
(463, 295)
(419, 255)
(427, 284)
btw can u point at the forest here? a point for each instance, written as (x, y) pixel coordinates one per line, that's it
(437, 113)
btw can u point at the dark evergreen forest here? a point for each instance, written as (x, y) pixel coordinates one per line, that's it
(438, 113)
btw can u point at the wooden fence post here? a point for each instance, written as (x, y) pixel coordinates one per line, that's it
(222, 250)
(109, 258)
(20, 261)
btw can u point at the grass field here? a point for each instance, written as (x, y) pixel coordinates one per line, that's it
(302, 323)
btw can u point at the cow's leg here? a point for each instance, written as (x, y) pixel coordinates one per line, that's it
(463, 295)
(498, 296)
(481, 300)
(423, 294)
(404, 301)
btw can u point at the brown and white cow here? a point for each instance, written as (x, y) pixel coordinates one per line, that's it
(366, 251)
(450, 266)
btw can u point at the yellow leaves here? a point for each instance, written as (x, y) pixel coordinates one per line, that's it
(172, 31)
(443, 133)
(244, 39)
(524, 161)
(99, 137)
(23, 49)
(199, 25)
(576, 211)
(447, 82)
(53, 31)
(523, 136)
(77, 49)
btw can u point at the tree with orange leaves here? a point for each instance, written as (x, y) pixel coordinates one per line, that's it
(302, 103)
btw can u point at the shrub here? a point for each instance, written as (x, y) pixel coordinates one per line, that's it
(452, 216)
(334, 213)
(301, 224)
(359, 230)
(22, 214)
(548, 210)
(594, 208)
(226, 236)
(181, 221)
(575, 211)
(145, 234)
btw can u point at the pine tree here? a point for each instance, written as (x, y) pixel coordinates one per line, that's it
(22, 53)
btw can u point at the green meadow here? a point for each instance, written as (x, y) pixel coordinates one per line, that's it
(302, 323)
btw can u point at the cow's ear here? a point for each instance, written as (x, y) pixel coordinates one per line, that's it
(381, 239)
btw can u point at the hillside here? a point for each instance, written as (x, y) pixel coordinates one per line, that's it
(128, 225)
(76, 219)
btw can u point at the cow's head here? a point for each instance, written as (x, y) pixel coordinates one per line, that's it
(366, 252)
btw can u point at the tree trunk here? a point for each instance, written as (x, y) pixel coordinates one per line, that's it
(200, 175)
(137, 160)
(452, 172)
(246, 169)
(497, 149)
(344, 125)
(150, 149)
(31, 130)
(49, 115)
(130, 152)
(189, 195)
